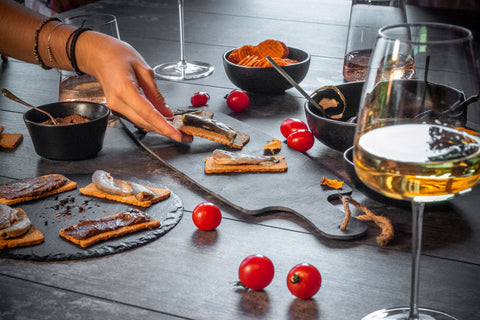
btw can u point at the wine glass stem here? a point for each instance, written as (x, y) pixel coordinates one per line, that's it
(182, 38)
(417, 222)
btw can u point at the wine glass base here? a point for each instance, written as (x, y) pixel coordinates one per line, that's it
(403, 313)
(183, 70)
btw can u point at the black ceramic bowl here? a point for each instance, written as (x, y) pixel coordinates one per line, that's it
(70, 141)
(336, 134)
(350, 170)
(267, 79)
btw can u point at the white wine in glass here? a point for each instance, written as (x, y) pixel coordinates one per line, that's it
(182, 69)
(413, 141)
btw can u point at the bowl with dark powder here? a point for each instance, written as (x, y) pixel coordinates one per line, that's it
(78, 133)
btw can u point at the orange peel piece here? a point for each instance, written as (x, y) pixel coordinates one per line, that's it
(274, 146)
(332, 183)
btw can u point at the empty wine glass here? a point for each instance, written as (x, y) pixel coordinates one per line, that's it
(183, 70)
(412, 140)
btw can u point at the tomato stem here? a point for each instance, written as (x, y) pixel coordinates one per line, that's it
(240, 284)
(295, 278)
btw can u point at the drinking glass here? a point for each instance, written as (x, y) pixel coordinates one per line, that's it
(182, 70)
(412, 140)
(366, 18)
(86, 87)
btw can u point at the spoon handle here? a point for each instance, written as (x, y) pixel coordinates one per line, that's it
(295, 84)
(13, 97)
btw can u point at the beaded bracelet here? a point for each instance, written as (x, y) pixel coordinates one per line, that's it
(35, 42)
(71, 49)
(51, 58)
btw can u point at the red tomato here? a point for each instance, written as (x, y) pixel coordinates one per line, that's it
(199, 99)
(256, 272)
(238, 100)
(301, 140)
(206, 216)
(291, 125)
(304, 281)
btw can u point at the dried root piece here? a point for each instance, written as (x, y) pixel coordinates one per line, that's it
(348, 212)
(383, 223)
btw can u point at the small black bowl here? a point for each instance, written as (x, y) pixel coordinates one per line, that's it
(71, 141)
(336, 134)
(267, 79)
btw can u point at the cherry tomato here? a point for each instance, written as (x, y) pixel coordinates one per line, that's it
(199, 99)
(238, 100)
(291, 125)
(256, 272)
(206, 216)
(304, 281)
(301, 140)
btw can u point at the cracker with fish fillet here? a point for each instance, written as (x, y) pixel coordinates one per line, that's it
(212, 167)
(35, 188)
(236, 139)
(32, 237)
(160, 194)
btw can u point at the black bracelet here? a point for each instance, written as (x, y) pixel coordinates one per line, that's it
(71, 49)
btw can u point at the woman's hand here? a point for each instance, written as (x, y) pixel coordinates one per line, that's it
(124, 75)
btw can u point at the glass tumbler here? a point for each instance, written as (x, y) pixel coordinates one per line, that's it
(366, 18)
(85, 87)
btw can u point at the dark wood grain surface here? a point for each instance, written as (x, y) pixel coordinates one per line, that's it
(189, 274)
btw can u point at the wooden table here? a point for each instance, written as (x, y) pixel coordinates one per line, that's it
(189, 274)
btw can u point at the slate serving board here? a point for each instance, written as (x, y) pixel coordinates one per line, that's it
(55, 212)
(297, 191)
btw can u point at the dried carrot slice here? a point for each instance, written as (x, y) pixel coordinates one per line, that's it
(272, 48)
(247, 50)
(245, 61)
(290, 61)
(233, 57)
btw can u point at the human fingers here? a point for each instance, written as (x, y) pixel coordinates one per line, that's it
(146, 81)
(141, 112)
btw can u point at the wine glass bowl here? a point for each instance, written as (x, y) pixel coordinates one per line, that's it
(413, 139)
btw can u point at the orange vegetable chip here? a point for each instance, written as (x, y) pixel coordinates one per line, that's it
(247, 61)
(335, 184)
(272, 48)
(233, 57)
(254, 56)
(247, 50)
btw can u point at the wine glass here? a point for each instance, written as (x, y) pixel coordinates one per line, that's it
(183, 70)
(413, 140)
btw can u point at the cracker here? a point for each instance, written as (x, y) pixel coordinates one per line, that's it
(153, 223)
(212, 167)
(160, 194)
(69, 185)
(10, 140)
(32, 237)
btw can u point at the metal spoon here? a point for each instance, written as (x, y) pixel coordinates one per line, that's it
(13, 97)
(292, 82)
